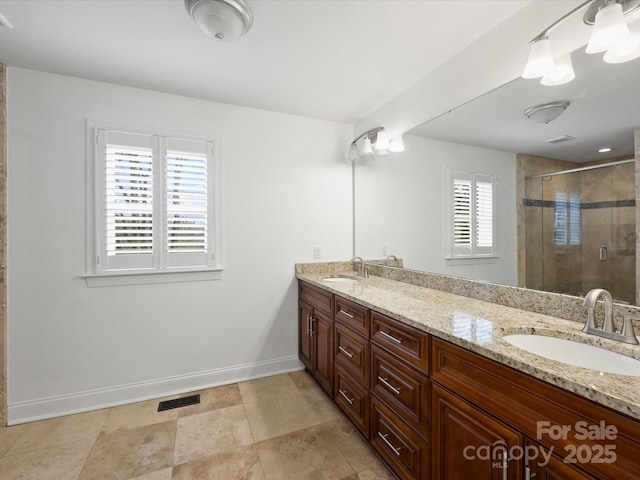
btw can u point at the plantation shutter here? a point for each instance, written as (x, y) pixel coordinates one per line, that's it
(484, 214)
(187, 179)
(462, 213)
(128, 219)
(472, 224)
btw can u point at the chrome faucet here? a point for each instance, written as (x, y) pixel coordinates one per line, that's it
(390, 257)
(607, 329)
(362, 269)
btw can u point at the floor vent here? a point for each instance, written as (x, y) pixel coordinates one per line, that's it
(179, 402)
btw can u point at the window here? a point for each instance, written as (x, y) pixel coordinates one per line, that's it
(472, 216)
(155, 200)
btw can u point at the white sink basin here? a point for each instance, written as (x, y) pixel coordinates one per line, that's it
(577, 354)
(340, 280)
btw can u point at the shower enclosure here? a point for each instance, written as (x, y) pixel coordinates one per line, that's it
(581, 230)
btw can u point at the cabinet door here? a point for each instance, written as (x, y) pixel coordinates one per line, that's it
(543, 466)
(322, 332)
(468, 443)
(305, 340)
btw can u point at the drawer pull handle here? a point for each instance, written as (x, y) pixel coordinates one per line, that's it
(311, 320)
(505, 466)
(346, 313)
(308, 324)
(387, 384)
(390, 337)
(396, 450)
(345, 351)
(528, 475)
(344, 394)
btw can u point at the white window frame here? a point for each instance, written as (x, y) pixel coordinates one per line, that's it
(160, 267)
(473, 250)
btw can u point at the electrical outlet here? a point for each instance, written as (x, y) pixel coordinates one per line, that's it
(317, 253)
(384, 250)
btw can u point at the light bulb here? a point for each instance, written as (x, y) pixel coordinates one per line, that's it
(382, 142)
(561, 73)
(396, 145)
(366, 149)
(540, 59)
(609, 28)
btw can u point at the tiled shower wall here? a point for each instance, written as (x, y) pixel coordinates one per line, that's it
(604, 206)
(3, 247)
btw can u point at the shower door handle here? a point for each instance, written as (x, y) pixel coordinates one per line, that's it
(603, 253)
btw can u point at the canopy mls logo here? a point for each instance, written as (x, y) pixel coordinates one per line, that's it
(499, 453)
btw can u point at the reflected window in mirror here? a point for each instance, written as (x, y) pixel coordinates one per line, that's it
(471, 212)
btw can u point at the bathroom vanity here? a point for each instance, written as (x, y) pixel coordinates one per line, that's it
(427, 379)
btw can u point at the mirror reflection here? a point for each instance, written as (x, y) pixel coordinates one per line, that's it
(550, 228)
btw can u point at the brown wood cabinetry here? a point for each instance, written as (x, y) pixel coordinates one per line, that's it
(315, 333)
(437, 411)
(467, 443)
(545, 465)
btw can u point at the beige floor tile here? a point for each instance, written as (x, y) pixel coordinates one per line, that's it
(61, 430)
(208, 433)
(9, 436)
(241, 464)
(352, 445)
(164, 474)
(58, 462)
(323, 407)
(275, 407)
(212, 399)
(306, 454)
(129, 453)
(378, 473)
(137, 415)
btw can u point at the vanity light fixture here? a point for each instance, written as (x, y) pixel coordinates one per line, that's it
(220, 19)
(374, 143)
(610, 34)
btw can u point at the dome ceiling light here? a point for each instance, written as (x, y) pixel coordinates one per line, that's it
(547, 112)
(221, 19)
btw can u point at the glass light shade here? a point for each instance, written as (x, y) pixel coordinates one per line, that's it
(540, 59)
(608, 29)
(221, 19)
(624, 50)
(396, 145)
(366, 149)
(561, 73)
(352, 155)
(382, 142)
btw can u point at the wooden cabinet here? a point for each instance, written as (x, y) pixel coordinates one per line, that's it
(403, 449)
(315, 333)
(437, 411)
(542, 464)
(467, 443)
(352, 357)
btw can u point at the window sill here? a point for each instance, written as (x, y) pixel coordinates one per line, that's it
(141, 277)
(480, 260)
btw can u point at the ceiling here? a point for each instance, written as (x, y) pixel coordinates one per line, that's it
(337, 60)
(604, 110)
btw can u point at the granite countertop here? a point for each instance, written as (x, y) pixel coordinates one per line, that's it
(479, 326)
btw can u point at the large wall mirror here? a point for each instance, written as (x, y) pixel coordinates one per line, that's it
(562, 232)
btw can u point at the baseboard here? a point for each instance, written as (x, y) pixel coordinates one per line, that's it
(22, 412)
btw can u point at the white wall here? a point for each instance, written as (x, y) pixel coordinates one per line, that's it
(400, 205)
(74, 348)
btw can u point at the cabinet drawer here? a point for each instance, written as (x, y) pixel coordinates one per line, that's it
(407, 342)
(316, 297)
(397, 444)
(353, 315)
(352, 353)
(353, 399)
(402, 388)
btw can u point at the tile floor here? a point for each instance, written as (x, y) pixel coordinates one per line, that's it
(276, 428)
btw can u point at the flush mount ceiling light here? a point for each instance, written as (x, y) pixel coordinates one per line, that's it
(610, 34)
(373, 143)
(546, 112)
(221, 19)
